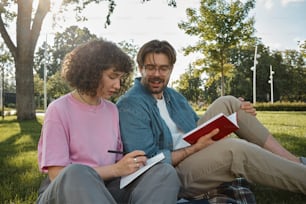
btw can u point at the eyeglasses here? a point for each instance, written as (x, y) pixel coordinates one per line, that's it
(152, 68)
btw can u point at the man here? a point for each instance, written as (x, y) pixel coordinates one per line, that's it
(154, 118)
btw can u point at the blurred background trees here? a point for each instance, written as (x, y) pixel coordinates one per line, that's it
(226, 44)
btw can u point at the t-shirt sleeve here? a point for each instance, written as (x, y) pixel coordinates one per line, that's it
(53, 147)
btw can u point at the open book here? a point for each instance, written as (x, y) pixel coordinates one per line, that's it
(226, 125)
(125, 180)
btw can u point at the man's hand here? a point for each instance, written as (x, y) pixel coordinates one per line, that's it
(247, 106)
(204, 141)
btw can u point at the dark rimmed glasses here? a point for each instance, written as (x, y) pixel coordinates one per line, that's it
(162, 69)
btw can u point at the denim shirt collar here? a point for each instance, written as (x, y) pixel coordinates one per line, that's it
(179, 109)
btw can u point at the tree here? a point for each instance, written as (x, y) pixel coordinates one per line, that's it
(240, 82)
(5, 62)
(28, 26)
(296, 73)
(190, 84)
(5, 65)
(57, 86)
(220, 26)
(64, 42)
(288, 79)
(27, 33)
(303, 48)
(38, 90)
(127, 82)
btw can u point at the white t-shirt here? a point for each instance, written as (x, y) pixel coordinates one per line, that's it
(176, 133)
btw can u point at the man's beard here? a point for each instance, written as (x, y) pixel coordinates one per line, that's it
(153, 90)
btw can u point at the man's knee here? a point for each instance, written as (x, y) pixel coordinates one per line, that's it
(229, 99)
(224, 104)
(229, 104)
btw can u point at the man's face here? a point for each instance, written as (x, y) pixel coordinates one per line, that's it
(156, 73)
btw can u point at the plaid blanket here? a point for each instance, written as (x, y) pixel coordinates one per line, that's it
(235, 192)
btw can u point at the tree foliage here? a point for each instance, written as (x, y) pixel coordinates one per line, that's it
(303, 48)
(6, 73)
(289, 80)
(292, 73)
(220, 26)
(52, 55)
(190, 84)
(52, 58)
(131, 49)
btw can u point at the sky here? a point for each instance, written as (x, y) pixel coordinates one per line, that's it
(279, 23)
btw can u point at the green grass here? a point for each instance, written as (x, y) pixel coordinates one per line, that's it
(290, 130)
(20, 178)
(19, 175)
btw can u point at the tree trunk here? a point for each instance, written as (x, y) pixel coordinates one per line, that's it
(24, 64)
(222, 75)
(25, 102)
(27, 36)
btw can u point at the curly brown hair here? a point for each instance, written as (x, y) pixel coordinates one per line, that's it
(83, 67)
(156, 46)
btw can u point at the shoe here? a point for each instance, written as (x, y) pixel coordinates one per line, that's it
(303, 160)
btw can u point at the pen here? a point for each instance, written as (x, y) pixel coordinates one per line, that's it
(121, 152)
(116, 152)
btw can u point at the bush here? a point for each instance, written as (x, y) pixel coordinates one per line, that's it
(281, 106)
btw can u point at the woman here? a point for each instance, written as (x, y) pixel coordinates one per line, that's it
(80, 127)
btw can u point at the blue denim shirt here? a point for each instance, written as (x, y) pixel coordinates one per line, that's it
(141, 125)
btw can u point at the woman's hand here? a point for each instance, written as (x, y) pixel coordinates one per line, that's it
(247, 106)
(130, 163)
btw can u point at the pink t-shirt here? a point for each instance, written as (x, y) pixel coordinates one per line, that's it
(74, 132)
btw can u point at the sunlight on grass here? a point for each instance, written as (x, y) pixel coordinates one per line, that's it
(293, 123)
(27, 159)
(20, 177)
(7, 133)
(24, 140)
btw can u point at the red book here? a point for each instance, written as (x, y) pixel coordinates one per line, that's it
(226, 125)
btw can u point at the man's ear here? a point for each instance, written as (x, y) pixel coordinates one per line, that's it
(141, 69)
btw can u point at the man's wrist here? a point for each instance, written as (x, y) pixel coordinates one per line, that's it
(189, 151)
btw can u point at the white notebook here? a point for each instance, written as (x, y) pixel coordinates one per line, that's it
(125, 180)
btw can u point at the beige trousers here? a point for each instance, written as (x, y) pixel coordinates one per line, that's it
(229, 158)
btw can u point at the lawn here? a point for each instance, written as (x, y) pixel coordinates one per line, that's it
(20, 178)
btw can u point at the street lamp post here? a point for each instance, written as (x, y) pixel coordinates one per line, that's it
(2, 93)
(45, 76)
(271, 83)
(256, 56)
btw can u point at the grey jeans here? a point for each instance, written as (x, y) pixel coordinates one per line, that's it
(80, 184)
(229, 158)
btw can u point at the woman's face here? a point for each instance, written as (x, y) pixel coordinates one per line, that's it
(110, 83)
